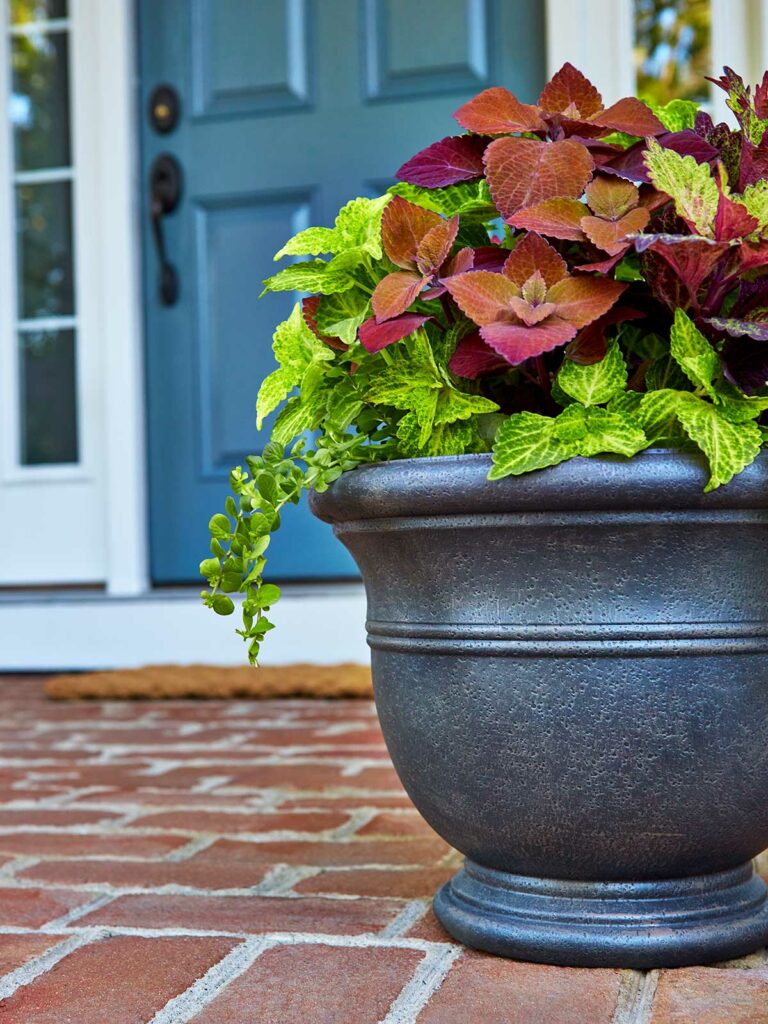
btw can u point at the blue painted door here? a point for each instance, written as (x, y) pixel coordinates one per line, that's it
(288, 109)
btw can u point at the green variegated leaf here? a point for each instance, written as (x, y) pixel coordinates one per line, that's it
(693, 353)
(295, 345)
(315, 276)
(728, 446)
(740, 410)
(612, 432)
(657, 415)
(273, 390)
(293, 419)
(527, 441)
(358, 226)
(310, 242)
(444, 439)
(453, 405)
(689, 184)
(626, 403)
(597, 383)
(675, 115)
(344, 404)
(472, 199)
(341, 314)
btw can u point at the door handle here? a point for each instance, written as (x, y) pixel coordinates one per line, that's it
(165, 182)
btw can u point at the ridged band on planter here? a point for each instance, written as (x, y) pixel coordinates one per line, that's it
(570, 674)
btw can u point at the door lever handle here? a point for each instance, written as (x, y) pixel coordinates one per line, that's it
(165, 183)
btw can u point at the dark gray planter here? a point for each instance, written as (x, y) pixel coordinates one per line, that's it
(570, 671)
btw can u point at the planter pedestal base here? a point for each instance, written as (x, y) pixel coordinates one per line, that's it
(669, 923)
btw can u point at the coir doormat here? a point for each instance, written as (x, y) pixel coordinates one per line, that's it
(206, 682)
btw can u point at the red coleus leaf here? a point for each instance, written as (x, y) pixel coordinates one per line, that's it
(522, 172)
(434, 247)
(580, 300)
(732, 220)
(531, 255)
(610, 235)
(456, 158)
(374, 337)
(612, 212)
(753, 162)
(533, 305)
(474, 358)
(463, 261)
(489, 257)
(395, 293)
(557, 218)
(403, 226)
(309, 313)
(482, 295)
(629, 115)
(571, 93)
(497, 112)
(516, 342)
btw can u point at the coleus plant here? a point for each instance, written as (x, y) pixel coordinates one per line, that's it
(560, 279)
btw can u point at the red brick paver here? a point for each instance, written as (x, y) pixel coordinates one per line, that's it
(242, 862)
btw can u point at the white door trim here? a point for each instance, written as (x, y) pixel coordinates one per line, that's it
(112, 56)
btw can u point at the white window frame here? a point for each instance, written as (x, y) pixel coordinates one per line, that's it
(597, 36)
(85, 522)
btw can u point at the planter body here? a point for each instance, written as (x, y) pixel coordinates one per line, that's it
(571, 678)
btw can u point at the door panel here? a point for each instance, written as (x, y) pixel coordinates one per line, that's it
(289, 109)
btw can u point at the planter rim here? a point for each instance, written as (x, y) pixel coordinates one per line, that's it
(653, 480)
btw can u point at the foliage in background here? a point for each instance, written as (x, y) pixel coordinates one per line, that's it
(564, 279)
(672, 49)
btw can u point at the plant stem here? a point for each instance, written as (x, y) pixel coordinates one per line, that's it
(546, 384)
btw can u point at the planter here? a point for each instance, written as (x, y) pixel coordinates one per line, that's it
(571, 677)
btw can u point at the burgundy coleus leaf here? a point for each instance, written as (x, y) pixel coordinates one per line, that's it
(630, 165)
(522, 172)
(455, 158)
(475, 358)
(746, 363)
(756, 330)
(533, 305)
(309, 313)
(750, 256)
(489, 257)
(753, 162)
(497, 112)
(691, 258)
(732, 220)
(374, 336)
(591, 343)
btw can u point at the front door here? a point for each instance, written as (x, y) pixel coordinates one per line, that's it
(287, 109)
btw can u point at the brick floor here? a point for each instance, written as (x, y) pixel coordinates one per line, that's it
(259, 863)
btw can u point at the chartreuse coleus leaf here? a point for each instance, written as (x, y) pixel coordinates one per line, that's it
(295, 348)
(729, 446)
(472, 199)
(675, 115)
(528, 441)
(444, 439)
(319, 276)
(693, 353)
(689, 184)
(358, 226)
(597, 383)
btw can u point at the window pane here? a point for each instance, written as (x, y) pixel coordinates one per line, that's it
(672, 49)
(40, 100)
(37, 10)
(48, 397)
(44, 227)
